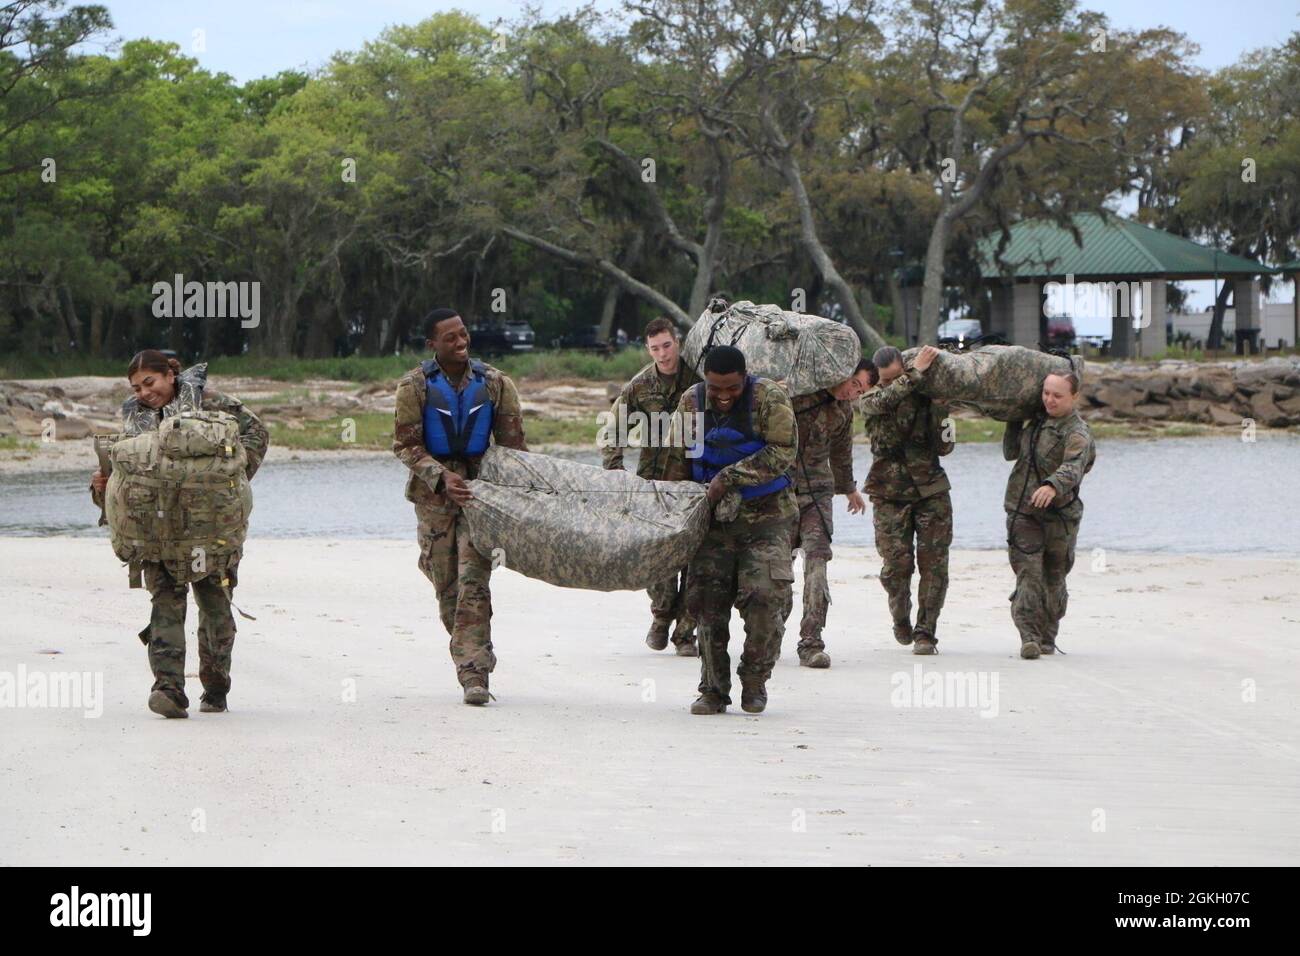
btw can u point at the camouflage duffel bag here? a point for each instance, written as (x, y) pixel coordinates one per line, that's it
(580, 526)
(1004, 382)
(179, 495)
(806, 352)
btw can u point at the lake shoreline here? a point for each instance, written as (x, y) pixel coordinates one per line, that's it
(78, 454)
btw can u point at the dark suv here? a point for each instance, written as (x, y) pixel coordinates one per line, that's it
(501, 338)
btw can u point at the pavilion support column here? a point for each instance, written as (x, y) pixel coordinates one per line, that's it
(1295, 308)
(1000, 311)
(1121, 324)
(1245, 304)
(1026, 313)
(1152, 340)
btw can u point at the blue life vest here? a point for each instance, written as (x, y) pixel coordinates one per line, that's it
(727, 442)
(456, 424)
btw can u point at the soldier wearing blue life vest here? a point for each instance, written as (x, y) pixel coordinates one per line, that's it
(745, 441)
(449, 410)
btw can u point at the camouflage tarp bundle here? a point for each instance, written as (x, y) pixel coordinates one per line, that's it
(579, 526)
(179, 494)
(808, 353)
(1004, 382)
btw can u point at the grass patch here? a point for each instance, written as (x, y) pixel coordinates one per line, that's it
(579, 432)
(15, 443)
(540, 365)
(373, 431)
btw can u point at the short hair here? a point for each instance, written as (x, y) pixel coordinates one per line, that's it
(724, 359)
(1069, 377)
(659, 326)
(868, 366)
(438, 315)
(886, 356)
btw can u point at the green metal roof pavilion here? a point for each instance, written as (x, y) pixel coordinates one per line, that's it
(1112, 248)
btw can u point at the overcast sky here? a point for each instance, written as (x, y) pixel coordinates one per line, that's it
(251, 38)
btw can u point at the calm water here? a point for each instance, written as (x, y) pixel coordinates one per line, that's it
(1177, 495)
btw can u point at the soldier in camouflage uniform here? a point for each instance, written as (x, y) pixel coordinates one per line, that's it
(747, 447)
(823, 468)
(1043, 510)
(655, 391)
(437, 488)
(158, 394)
(909, 494)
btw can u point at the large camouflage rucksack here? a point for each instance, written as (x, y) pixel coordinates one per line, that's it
(806, 352)
(179, 495)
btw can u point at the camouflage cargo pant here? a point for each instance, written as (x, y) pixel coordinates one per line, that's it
(668, 604)
(1042, 554)
(747, 566)
(811, 533)
(928, 522)
(460, 575)
(165, 635)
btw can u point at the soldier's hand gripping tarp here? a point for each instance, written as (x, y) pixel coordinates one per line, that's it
(580, 526)
(1004, 382)
(806, 352)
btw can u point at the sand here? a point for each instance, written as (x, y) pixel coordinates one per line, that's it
(1167, 734)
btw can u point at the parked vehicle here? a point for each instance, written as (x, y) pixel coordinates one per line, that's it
(502, 338)
(588, 339)
(1060, 332)
(962, 334)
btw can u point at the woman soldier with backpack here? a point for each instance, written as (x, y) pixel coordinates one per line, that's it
(163, 391)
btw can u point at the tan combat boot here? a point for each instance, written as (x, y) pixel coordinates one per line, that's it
(753, 696)
(162, 703)
(657, 638)
(476, 690)
(709, 703)
(813, 655)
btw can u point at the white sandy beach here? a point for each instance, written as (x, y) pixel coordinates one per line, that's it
(1166, 735)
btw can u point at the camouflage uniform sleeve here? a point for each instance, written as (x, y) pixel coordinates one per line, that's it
(884, 400)
(676, 465)
(254, 437)
(774, 423)
(252, 433)
(1073, 465)
(408, 434)
(842, 452)
(611, 455)
(508, 417)
(938, 416)
(1011, 440)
